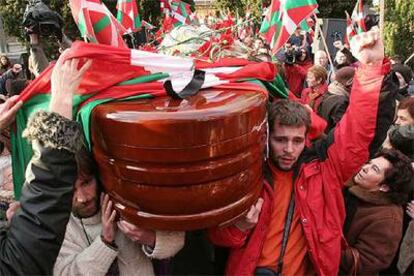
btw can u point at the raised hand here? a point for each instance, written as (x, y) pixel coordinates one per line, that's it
(368, 47)
(8, 111)
(251, 218)
(108, 215)
(65, 81)
(137, 234)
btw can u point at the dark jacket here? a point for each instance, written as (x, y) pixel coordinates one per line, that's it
(32, 242)
(373, 228)
(333, 104)
(8, 75)
(321, 173)
(406, 256)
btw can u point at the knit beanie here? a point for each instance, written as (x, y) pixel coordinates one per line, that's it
(345, 74)
(404, 70)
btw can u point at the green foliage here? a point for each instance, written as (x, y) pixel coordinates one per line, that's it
(335, 9)
(399, 28)
(11, 12)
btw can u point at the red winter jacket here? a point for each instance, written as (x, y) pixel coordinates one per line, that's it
(295, 76)
(321, 172)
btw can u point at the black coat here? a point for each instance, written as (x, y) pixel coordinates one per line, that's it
(32, 242)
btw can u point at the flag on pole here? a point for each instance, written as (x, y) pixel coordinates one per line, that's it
(179, 11)
(96, 23)
(350, 30)
(358, 17)
(282, 19)
(128, 15)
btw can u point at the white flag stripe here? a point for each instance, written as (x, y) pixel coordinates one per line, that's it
(156, 63)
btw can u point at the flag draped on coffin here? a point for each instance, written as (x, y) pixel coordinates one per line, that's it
(128, 15)
(139, 74)
(96, 23)
(358, 17)
(282, 19)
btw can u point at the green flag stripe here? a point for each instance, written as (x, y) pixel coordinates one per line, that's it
(273, 21)
(142, 79)
(104, 22)
(299, 3)
(304, 25)
(119, 16)
(183, 10)
(137, 21)
(82, 24)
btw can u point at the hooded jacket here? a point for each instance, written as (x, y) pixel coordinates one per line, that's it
(32, 242)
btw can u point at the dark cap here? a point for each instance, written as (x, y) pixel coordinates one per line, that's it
(404, 70)
(402, 139)
(345, 74)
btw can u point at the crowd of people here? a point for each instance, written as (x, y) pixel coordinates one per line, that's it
(338, 193)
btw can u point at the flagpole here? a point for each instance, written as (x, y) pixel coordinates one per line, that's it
(408, 59)
(325, 46)
(382, 18)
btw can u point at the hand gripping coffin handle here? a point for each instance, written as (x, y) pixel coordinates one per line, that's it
(191, 89)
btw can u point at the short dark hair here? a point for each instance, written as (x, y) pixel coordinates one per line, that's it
(399, 178)
(85, 163)
(407, 103)
(288, 113)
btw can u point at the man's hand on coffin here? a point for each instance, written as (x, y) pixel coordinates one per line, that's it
(65, 81)
(108, 216)
(137, 234)
(251, 218)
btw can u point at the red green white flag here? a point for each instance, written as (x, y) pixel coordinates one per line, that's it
(165, 7)
(350, 30)
(179, 11)
(96, 23)
(282, 19)
(128, 15)
(358, 17)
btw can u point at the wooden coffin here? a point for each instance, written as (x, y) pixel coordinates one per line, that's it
(182, 164)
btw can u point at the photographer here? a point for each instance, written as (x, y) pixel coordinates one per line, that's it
(296, 66)
(39, 21)
(9, 75)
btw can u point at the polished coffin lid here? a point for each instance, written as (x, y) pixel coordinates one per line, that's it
(182, 164)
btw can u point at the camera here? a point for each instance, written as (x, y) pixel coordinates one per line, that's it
(292, 55)
(337, 36)
(40, 19)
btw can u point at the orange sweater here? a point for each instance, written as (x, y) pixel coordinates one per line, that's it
(295, 261)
